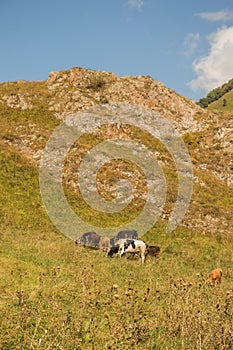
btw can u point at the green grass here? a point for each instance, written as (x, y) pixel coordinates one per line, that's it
(57, 295)
(20, 205)
(219, 103)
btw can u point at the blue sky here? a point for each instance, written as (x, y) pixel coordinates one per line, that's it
(186, 44)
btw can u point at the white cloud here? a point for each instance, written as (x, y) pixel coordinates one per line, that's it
(136, 4)
(223, 16)
(216, 68)
(190, 43)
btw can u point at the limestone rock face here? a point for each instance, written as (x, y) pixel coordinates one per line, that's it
(78, 88)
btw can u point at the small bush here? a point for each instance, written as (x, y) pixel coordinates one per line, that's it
(96, 83)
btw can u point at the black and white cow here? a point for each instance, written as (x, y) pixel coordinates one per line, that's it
(133, 246)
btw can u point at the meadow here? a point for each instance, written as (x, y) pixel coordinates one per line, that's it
(58, 295)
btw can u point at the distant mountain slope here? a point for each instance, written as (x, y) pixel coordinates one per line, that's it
(224, 103)
(216, 94)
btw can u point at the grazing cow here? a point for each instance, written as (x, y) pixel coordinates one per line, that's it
(126, 234)
(104, 243)
(133, 246)
(215, 277)
(152, 250)
(113, 250)
(90, 239)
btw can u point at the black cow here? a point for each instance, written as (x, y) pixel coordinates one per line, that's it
(91, 239)
(126, 234)
(113, 250)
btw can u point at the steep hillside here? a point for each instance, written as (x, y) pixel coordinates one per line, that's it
(31, 110)
(59, 295)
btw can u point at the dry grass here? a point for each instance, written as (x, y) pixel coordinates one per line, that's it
(55, 295)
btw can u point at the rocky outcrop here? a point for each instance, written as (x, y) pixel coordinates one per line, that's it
(17, 101)
(78, 89)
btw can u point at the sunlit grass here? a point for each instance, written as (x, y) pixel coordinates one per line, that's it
(225, 103)
(58, 295)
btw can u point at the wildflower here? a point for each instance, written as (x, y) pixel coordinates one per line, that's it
(115, 286)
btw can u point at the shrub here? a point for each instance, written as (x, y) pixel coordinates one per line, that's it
(96, 83)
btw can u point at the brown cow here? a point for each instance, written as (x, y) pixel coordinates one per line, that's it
(215, 277)
(152, 250)
(104, 243)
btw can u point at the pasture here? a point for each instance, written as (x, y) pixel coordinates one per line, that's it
(57, 295)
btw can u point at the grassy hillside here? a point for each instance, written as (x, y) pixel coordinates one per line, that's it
(216, 94)
(60, 296)
(225, 103)
(56, 295)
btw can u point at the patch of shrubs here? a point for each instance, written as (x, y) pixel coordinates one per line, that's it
(216, 94)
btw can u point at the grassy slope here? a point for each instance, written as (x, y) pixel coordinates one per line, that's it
(219, 103)
(60, 296)
(55, 295)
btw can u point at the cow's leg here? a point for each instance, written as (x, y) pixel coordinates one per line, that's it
(122, 252)
(142, 255)
(143, 258)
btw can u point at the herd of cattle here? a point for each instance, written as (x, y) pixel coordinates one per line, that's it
(127, 242)
(124, 242)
